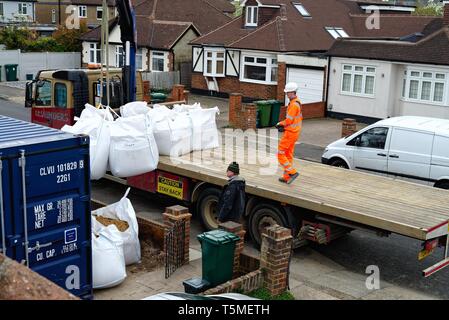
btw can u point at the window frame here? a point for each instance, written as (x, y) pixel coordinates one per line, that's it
(141, 58)
(160, 55)
(96, 50)
(99, 9)
(214, 60)
(340, 32)
(119, 56)
(38, 102)
(20, 7)
(82, 9)
(269, 65)
(353, 141)
(301, 9)
(251, 12)
(364, 73)
(2, 9)
(53, 15)
(420, 78)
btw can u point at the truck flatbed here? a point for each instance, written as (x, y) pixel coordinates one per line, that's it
(409, 209)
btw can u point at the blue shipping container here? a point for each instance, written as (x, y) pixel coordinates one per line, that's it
(53, 235)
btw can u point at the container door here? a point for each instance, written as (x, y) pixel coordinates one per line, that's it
(57, 226)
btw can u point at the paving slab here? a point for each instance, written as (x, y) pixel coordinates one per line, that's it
(398, 293)
(304, 292)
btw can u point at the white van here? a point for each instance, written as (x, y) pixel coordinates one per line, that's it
(411, 148)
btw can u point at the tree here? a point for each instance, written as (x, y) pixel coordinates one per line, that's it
(431, 9)
(69, 39)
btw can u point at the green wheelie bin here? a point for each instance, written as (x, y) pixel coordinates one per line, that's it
(275, 111)
(217, 248)
(11, 72)
(264, 111)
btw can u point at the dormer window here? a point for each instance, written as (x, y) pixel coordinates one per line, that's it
(302, 10)
(251, 16)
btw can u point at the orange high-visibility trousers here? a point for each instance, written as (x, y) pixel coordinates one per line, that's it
(286, 150)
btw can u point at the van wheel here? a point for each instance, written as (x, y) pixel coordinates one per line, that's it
(206, 206)
(442, 185)
(262, 216)
(339, 163)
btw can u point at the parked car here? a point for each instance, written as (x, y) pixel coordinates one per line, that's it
(189, 296)
(415, 148)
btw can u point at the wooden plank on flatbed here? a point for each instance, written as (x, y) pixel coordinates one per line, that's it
(397, 206)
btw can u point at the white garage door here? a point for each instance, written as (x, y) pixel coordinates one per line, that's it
(310, 84)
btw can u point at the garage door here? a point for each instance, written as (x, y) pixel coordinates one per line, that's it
(310, 84)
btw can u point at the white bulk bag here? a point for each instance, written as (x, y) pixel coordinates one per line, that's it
(205, 132)
(173, 133)
(90, 111)
(133, 149)
(134, 108)
(185, 107)
(99, 139)
(123, 210)
(108, 260)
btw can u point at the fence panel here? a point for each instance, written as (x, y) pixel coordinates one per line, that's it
(162, 80)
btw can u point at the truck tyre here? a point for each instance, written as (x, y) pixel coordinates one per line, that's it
(339, 163)
(206, 206)
(262, 216)
(442, 185)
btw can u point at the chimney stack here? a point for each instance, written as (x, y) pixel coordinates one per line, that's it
(446, 13)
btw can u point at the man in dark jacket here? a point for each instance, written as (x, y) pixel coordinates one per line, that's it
(232, 199)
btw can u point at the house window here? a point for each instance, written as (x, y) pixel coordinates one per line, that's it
(53, 15)
(157, 61)
(1, 9)
(214, 63)
(22, 8)
(358, 80)
(337, 32)
(259, 69)
(424, 86)
(139, 64)
(82, 12)
(94, 53)
(251, 16)
(99, 13)
(301, 9)
(119, 56)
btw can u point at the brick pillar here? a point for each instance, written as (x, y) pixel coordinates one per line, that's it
(348, 127)
(250, 117)
(18, 282)
(146, 91)
(186, 96)
(283, 113)
(282, 72)
(178, 213)
(177, 93)
(275, 255)
(237, 229)
(235, 104)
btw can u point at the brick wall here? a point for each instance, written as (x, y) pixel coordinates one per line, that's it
(150, 229)
(246, 283)
(282, 74)
(233, 84)
(446, 13)
(171, 62)
(348, 127)
(237, 229)
(313, 110)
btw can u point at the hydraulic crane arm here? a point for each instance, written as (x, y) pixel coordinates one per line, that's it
(127, 21)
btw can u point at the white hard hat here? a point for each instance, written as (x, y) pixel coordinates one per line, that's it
(290, 87)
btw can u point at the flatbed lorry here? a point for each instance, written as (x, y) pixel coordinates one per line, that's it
(323, 204)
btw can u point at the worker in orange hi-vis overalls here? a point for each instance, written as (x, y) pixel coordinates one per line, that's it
(291, 127)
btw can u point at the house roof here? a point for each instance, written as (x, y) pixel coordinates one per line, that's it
(92, 2)
(206, 15)
(433, 49)
(160, 23)
(289, 31)
(151, 33)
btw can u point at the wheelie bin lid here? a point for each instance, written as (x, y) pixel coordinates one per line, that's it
(218, 237)
(262, 102)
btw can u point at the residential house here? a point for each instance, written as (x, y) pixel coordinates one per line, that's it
(12, 11)
(277, 41)
(55, 12)
(371, 79)
(164, 30)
